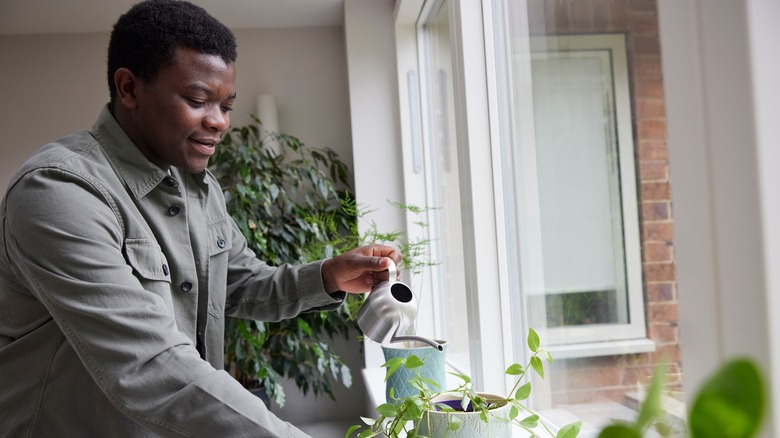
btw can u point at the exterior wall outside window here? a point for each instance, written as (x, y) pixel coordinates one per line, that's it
(586, 379)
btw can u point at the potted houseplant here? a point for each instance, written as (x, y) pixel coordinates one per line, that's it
(272, 196)
(462, 410)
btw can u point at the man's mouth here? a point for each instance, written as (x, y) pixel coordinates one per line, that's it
(206, 141)
(205, 145)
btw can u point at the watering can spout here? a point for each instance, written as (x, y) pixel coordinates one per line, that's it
(430, 342)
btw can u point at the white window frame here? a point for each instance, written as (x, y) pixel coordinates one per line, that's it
(490, 348)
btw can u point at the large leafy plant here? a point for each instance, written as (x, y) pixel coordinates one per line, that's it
(274, 186)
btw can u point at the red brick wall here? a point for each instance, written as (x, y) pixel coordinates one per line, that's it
(577, 380)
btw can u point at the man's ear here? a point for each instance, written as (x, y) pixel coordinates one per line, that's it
(125, 82)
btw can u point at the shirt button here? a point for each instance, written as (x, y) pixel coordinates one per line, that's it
(186, 286)
(221, 242)
(173, 210)
(165, 269)
(168, 181)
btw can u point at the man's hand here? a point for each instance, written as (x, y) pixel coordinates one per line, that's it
(356, 271)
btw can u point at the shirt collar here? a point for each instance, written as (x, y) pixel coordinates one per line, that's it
(138, 173)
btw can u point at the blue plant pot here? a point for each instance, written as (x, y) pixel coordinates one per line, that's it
(432, 369)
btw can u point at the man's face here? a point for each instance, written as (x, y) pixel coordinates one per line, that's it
(183, 112)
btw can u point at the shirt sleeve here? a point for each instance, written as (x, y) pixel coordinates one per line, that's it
(65, 241)
(258, 291)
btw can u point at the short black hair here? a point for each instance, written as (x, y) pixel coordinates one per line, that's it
(146, 37)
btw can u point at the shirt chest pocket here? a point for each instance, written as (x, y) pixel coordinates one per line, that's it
(219, 246)
(150, 266)
(219, 239)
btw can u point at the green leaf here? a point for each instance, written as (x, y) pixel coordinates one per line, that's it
(650, 408)
(731, 403)
(413, 362)
(413, 410)
(530, 421)
(368, 421)
(619, 431)
(454, 422)
(352, 430)
(392, 366)
(273, 190)
(463, 377)
(432, 383)
(244, 171)
(533, 340)
(386, 410)
(417, 384)
(304, 326)
(523, 392)
(346, 376)
(536, 364)
(570, 430)
(514, 370)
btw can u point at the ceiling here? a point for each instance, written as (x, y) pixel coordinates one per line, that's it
(77, 16)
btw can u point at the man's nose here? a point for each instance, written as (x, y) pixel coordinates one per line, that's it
(217, 120)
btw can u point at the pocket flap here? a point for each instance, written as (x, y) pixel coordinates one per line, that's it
(219, 237)
(147, 259)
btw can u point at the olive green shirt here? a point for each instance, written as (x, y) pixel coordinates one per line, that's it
(115, 280)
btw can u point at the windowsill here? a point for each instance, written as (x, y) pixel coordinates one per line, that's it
(608, 348)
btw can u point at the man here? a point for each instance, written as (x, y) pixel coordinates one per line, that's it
(119, 262)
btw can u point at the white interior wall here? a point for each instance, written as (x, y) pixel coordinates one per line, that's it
(720, 75)
(305, 69)
(763, 16)
(373, 93)
(53, 85)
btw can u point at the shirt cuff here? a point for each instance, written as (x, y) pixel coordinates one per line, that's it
(313, 289)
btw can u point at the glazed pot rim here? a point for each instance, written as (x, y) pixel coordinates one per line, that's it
(456, 396)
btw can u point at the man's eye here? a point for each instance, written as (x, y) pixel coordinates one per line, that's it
(195, 102)
(227, 109)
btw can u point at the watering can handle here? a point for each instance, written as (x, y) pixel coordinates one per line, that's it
(392, 271)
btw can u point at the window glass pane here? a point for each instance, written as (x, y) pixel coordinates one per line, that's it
(442, 168)
(582, 125)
